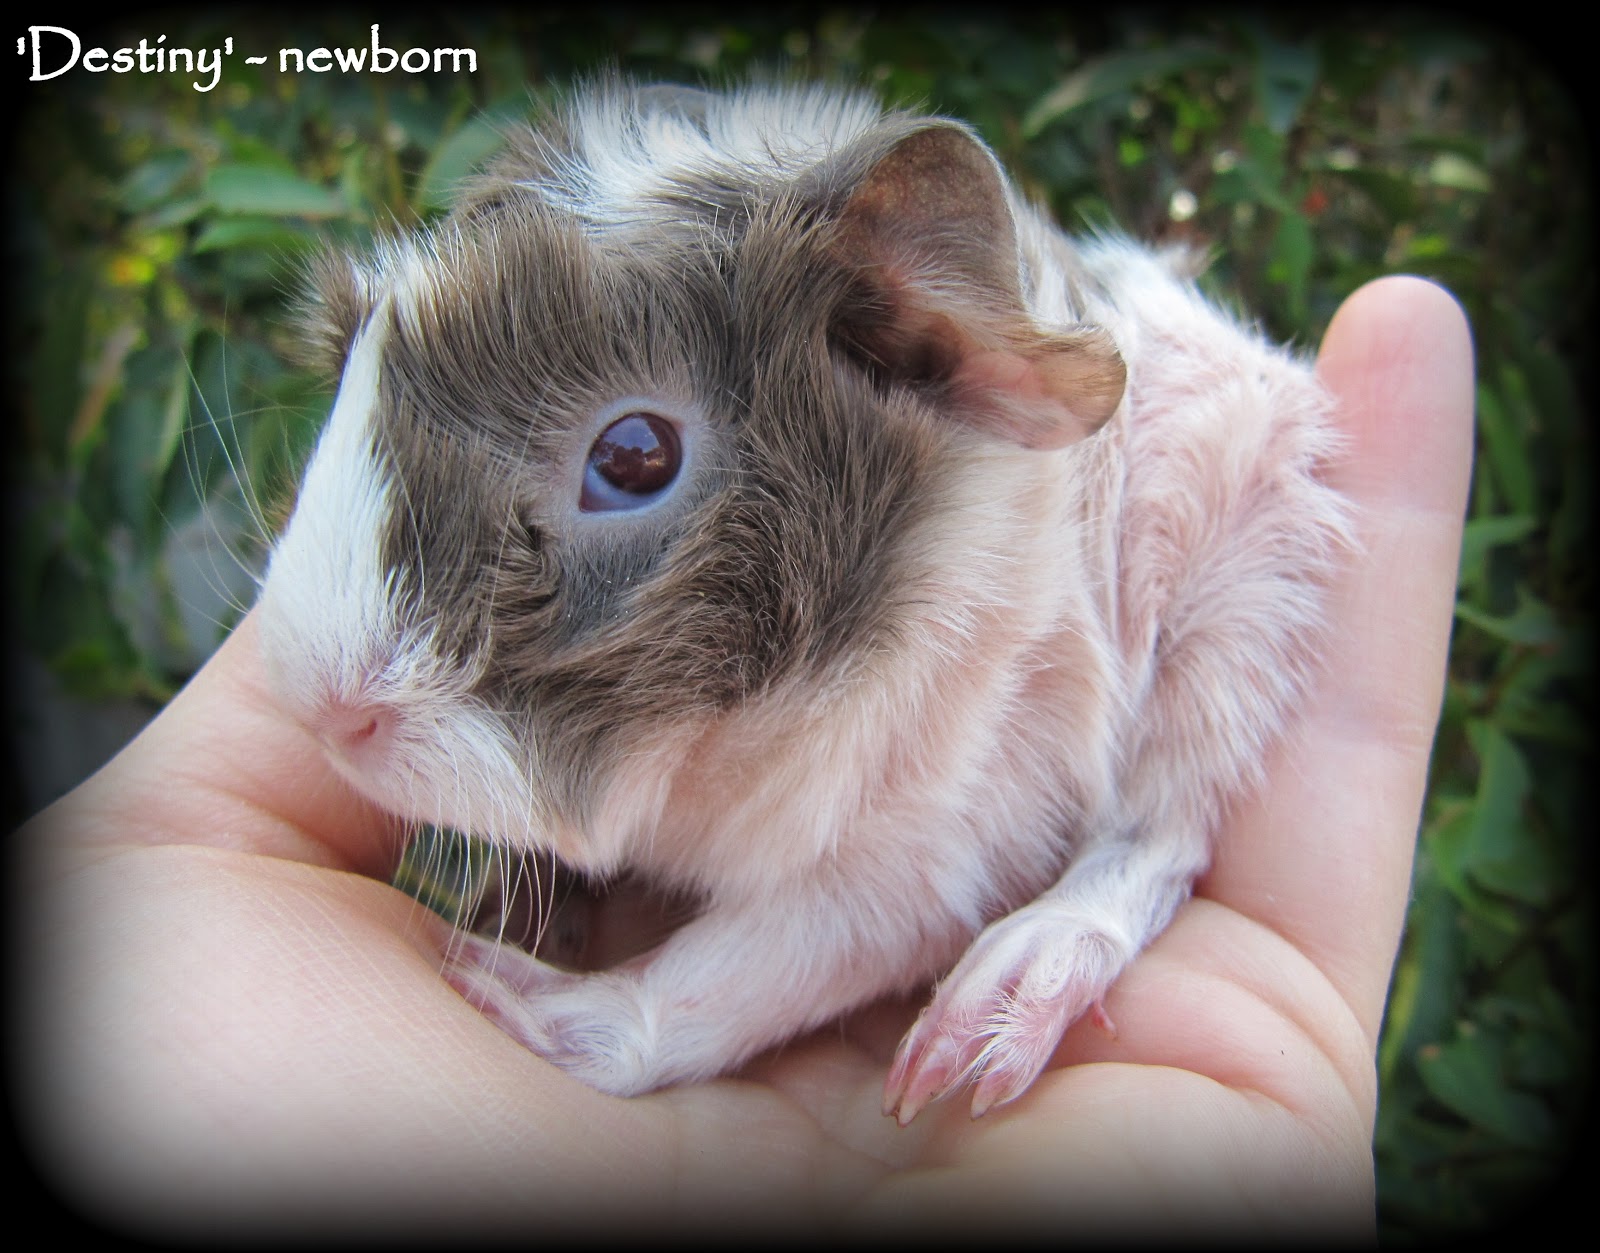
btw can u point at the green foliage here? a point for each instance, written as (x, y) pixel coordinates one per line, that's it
(156, 231)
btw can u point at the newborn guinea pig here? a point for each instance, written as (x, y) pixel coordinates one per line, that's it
(752, 492)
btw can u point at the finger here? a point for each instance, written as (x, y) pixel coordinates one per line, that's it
(223, 765)
(1324, 854)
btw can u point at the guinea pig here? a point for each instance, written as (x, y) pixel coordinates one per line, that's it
(751, 491)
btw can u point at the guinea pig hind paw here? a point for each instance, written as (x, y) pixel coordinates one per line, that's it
(997, 1020)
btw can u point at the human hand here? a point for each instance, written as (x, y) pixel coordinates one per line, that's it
(228, 1017)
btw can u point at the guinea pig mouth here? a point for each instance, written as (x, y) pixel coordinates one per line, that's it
(441, 761)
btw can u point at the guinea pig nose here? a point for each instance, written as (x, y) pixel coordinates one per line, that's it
(357, 728)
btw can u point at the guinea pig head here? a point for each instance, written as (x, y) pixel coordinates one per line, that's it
(612, 462)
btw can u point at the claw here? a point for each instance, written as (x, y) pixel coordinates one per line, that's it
(894, 1084)
(927, 1071)
(1000, 1086)
(983, 1097)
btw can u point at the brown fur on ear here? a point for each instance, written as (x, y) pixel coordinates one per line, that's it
(335, 303)
(929, 233)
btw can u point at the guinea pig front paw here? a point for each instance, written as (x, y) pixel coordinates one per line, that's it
(996, 1020)
(592, 1025)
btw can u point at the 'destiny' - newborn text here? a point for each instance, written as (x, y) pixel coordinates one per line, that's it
(56, 50)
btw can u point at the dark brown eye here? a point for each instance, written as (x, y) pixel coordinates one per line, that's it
(635, 459)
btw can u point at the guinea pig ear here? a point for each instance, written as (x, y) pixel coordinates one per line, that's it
(929, 237)
(336, 301)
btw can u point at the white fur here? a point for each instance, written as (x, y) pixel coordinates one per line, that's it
(334, 642)
(623, 161)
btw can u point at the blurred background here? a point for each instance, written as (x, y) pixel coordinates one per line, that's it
(159, 413)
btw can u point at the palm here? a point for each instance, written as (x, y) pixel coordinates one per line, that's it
(219, 968)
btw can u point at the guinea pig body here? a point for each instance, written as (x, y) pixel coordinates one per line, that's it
(752, 492)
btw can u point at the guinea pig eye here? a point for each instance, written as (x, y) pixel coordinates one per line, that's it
(635, 459)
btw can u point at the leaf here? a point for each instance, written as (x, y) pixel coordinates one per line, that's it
(1427, 980)
(1533, 876)
(1268, 153)
(271, 192)
(1395, 197)
(1569, 547)
(1502, 788)
(1503, 853)
(1448, 848)
(1285, 76)
(447, 872)
(173, 213)
(1427, 246)
(1256, 175)
(1451, 169)
(1536, 1059)
(1552, 389)
(1468, 1076)
(462, 152)
(1548, 722)
(1292, 254)
(206, 456)
(1119, 71)
(1535, 701)
(1505, 446)
(1532, 623)
(176, 407)
(245, 148)
(250, 232)
(151, 183)
(56, 366)
(136, 434)
(1470, 148)
(1480, 535)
